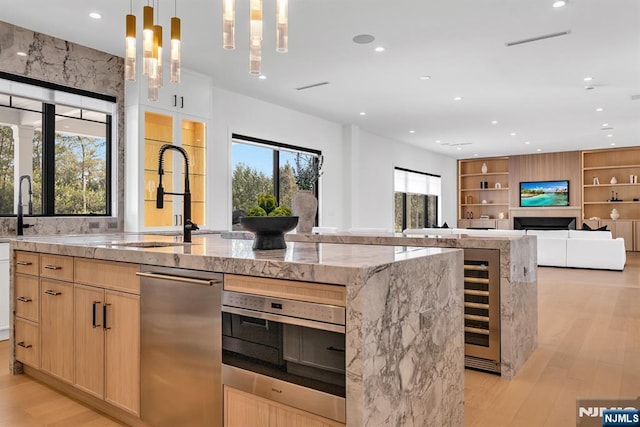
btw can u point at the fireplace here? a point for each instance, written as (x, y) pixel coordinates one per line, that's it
(544, 223)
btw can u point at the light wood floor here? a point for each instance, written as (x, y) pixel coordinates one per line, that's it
(588, 346)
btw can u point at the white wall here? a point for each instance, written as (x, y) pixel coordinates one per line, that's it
(356, 188)
(372, 190)
(234, 113)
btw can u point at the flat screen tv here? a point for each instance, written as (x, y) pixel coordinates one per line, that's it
(544, 193)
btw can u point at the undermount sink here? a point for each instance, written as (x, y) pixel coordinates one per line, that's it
(148, 244)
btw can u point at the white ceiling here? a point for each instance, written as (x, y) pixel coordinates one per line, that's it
(535, 90)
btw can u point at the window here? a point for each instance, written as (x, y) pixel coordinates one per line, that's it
(65, 150)
(265, 167)
(417, 199)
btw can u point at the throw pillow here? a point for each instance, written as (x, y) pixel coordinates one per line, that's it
(586, 227)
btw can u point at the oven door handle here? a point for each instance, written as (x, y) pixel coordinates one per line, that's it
(285, 319)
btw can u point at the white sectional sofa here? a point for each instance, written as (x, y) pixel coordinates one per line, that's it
(580, 249)
(556, 248)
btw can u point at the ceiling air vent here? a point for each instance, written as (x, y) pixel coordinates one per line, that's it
(635, 97)
(312, 86)
(538, 38)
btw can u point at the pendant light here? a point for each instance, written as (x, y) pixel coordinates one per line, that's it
(255, 37)
(175, 49)
(255, 30)
(147, 39)
(229, 24)
(130, 46)
(282, 26)
(157, 54)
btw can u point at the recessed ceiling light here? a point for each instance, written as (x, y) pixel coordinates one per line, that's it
(610, 136)
(95, 15)
(494, 122)
(362, 113)
(412, 131)
(457, 98)
(425, 77)
(379, 49)
(262, 77)
(21, 53)
(527, 143)
(475, 155)
(613, 143)
(363, 39)
(559, 3)
(588, 79)
(513, 134)
(538, 149)
(599, 109)
(459, 148)
(589, 87)
(604, 125)
(438, 141)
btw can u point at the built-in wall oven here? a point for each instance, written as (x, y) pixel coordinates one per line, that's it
(289, 351)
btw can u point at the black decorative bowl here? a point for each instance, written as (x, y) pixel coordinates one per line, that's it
(269, 230)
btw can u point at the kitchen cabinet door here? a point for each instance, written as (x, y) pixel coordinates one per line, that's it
(122, 350)
(89, 340)
(56, 327)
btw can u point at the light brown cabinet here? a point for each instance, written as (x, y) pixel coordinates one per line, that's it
(56, 328)
(483, 193)
(27, 308)
(247, 410)
(621, 228)
(107, 332)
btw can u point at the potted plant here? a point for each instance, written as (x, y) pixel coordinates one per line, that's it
(268, 222)
(304, 204)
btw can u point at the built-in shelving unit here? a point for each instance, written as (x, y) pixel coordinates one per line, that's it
(599, 199)
(483, 196)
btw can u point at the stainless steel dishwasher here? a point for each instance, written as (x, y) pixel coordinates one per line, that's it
(180, 347)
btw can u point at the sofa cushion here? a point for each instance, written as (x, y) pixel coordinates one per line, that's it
(594, 253)
(549, 234)
(583, 234)
(552, 252)
(427, 231)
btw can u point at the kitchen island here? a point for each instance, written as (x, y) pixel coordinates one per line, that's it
(518, 286)
(404, 315)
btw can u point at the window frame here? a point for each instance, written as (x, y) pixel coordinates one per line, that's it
(425, 199)
(275, 146)
(48, 143)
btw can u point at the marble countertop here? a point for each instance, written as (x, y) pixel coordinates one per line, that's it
(305, 261)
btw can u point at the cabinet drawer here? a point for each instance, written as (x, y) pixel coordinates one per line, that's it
(56, 267)
(119, 276)
(27, 343)
(27, 263)
(27, 296)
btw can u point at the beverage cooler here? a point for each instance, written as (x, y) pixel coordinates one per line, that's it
(482, 309)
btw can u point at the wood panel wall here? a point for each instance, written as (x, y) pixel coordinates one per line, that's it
(546, 167)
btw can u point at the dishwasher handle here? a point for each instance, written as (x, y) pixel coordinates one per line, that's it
(190, 280)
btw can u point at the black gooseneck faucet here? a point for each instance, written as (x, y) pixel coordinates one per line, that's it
(186, 209)
(21, 225)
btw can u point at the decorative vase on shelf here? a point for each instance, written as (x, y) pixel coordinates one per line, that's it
(614, 214)
(501, 215)
(484, 168)
(614, 180)
(304, 205)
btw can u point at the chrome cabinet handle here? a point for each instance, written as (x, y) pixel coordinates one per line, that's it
(52, 267)
(24, 299)
(23, 345)
(182, 102)
(52, 292)
(175, 100)
(332, 348)
(24, 263)
(160, 276)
